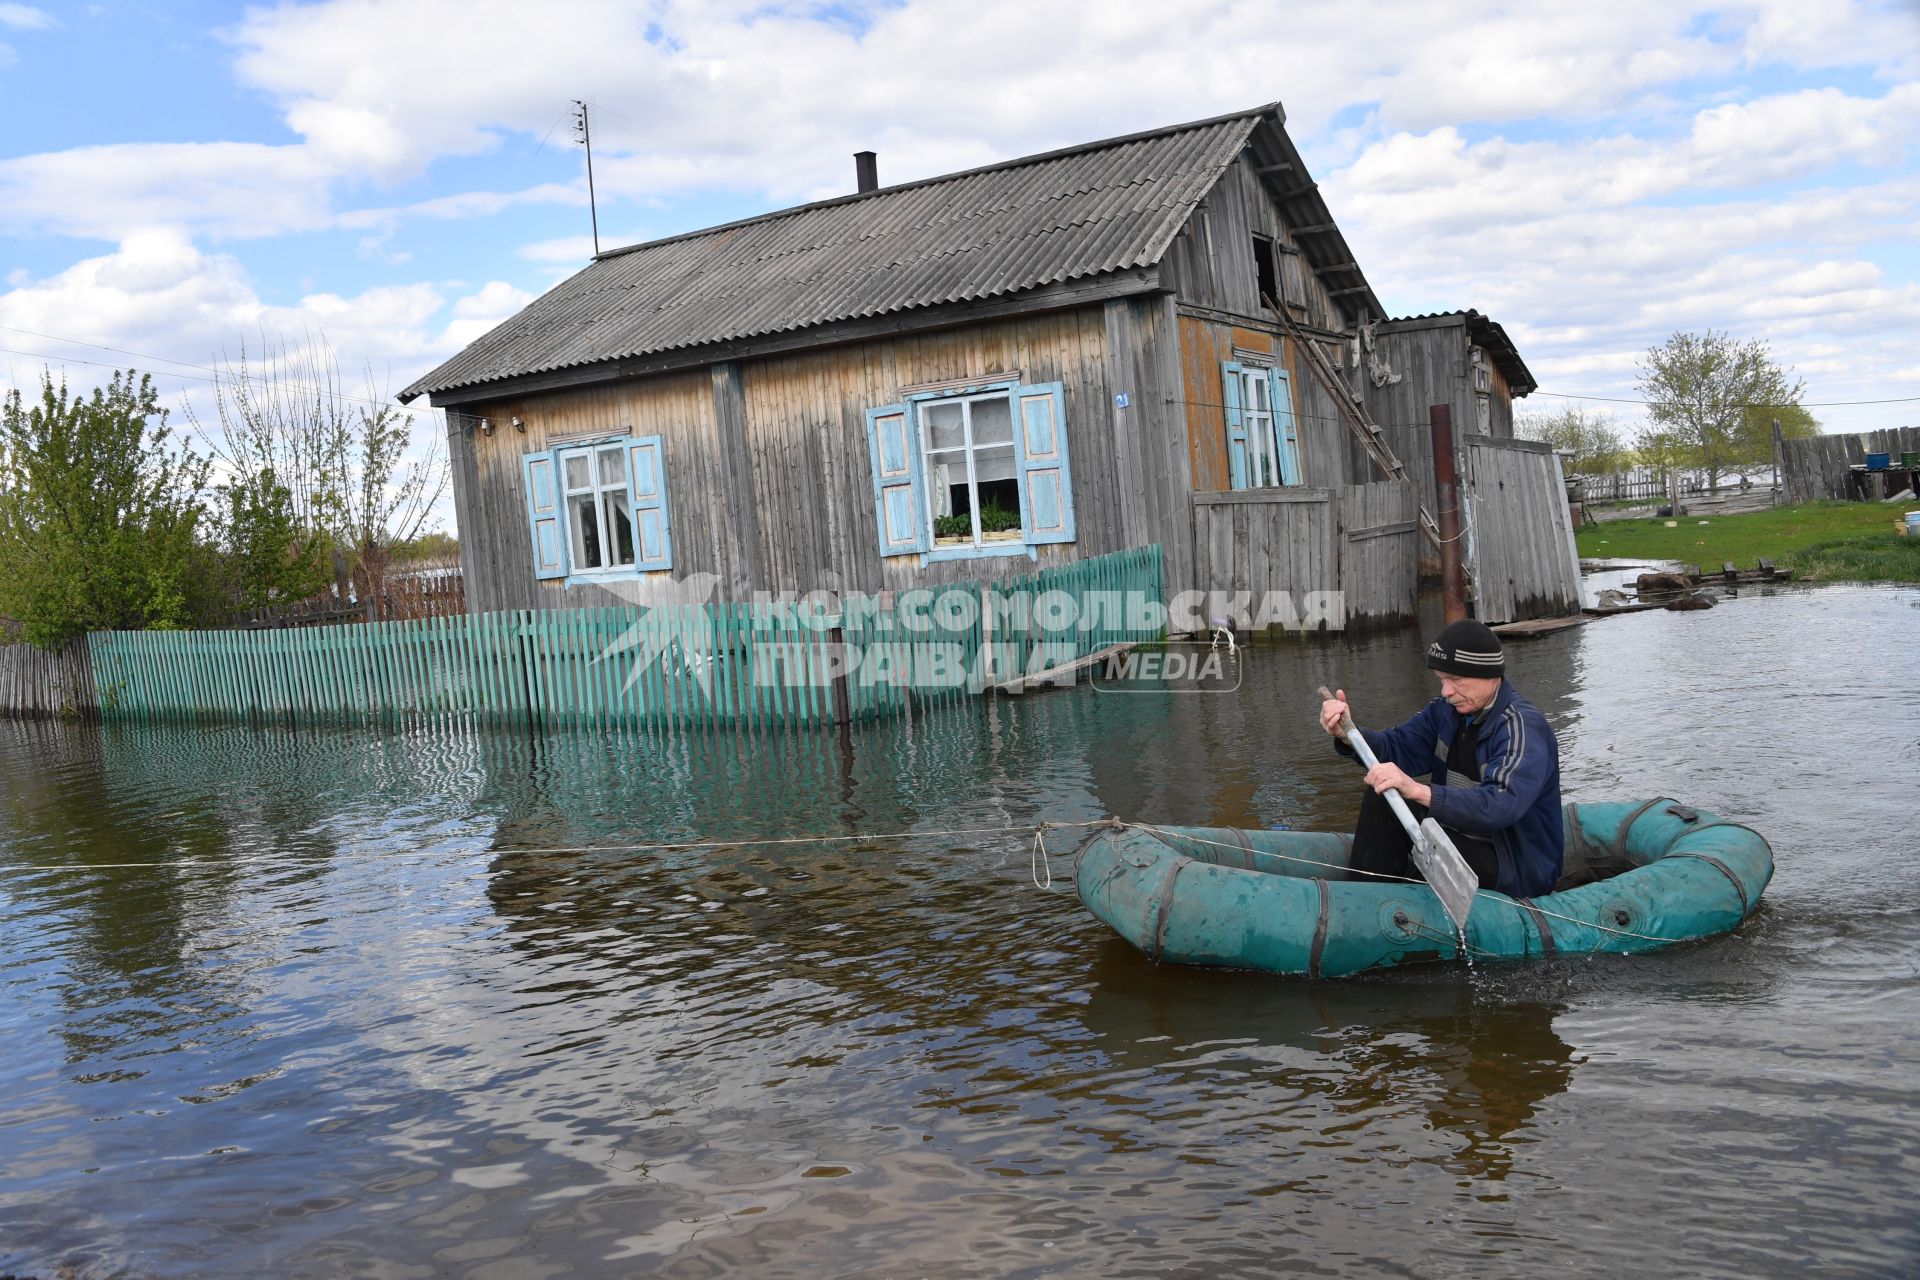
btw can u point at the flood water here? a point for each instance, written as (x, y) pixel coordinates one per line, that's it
(403, 1005)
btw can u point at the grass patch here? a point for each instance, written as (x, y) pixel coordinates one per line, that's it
(1874, 557)
(1826, 540)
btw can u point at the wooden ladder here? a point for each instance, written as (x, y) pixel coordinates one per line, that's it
(1353, 411)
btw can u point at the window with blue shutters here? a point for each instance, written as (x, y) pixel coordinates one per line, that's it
(974, 471)
(598, 510)
(1263, 440)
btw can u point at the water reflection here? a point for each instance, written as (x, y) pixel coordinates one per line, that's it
(1477, 1060)
(440, 1001)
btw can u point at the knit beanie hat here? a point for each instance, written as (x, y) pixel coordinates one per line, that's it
(1467, 648)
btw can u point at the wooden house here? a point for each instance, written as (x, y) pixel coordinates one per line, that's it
(1151, 339)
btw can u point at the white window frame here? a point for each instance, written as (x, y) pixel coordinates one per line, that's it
(967, 451)
(1263, 445)
(600, 490)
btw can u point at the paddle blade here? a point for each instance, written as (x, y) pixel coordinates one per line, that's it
(1446, 871)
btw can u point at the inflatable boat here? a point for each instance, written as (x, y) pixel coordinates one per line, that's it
(1638, 876)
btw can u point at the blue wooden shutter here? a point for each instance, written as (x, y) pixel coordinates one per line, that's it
(1285, 430)
(541, 473)
(898, 497)
(1236, 423)
(1040, 445)
(647, 486)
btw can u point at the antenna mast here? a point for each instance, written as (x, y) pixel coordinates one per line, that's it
(586, 140)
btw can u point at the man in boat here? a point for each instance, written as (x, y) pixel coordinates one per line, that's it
(1493, 764)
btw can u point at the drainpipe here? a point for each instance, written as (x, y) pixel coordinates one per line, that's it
(1446, 501)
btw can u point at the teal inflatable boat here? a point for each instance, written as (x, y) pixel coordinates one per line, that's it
(1638, 877)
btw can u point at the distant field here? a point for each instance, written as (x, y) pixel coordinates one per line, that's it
(1832, 541)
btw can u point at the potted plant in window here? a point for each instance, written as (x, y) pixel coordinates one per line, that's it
(997, 524)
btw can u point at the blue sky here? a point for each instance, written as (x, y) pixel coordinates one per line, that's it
(177, 179)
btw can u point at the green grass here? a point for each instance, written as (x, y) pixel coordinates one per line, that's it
(1831, 541)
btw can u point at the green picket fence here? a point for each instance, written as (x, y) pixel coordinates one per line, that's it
(733, 665)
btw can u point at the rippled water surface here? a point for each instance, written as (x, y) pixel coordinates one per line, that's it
(412, 1005)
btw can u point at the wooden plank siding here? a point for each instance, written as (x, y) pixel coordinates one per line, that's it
(1357, 539)
(1521, 562)
(1379, 552)
(768, 472)
(1210, 266)
(1210, 263)
(1204, 345)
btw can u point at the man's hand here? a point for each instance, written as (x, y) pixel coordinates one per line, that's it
(1388, 776)
(1331, 712)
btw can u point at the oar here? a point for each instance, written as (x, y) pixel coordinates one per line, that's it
(1440, 862)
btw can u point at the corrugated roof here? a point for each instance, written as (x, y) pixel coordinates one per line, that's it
(1084, 211)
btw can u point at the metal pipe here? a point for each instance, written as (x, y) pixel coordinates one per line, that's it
(1446, 500)
(866, 171)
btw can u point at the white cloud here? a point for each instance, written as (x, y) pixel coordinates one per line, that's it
(25, 17)
(221, 188)
(159, 301)
(1586, 173)
(478, 312)
(571, 251)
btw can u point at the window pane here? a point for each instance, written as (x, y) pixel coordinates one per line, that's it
(993, 464)
(585, 523)
(619, 523)
(944, 426)
(992, 422)
(1257, 392)
(613, 469)
(579, 472)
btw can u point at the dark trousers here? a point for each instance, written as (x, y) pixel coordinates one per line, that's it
(1381, 845)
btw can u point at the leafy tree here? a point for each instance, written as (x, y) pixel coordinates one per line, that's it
(1756, 433)
(1591, 437)
(270, 555)
(1714, 394)
(1661, 450)
(99, 513)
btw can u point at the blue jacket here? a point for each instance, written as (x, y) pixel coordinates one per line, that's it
(1516, 803)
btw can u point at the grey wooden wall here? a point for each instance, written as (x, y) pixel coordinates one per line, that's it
(1379, 552)
(1521, 559)
(1210, 262)
(1210, 267)
(769, 486)
(36, 683)
(1817, 468)
(1358, 540)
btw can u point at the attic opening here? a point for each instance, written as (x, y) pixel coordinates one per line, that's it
(1265, 270)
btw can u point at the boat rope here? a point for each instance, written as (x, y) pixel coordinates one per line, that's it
(674, 846)
(1040, 861)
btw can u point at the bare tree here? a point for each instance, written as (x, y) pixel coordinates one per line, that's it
(287, 419)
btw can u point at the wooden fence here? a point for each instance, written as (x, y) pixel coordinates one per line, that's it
(36, 683)
(1521, 559)
(435, 593)
(1820, 467)
(1353, 548)
(735, 665)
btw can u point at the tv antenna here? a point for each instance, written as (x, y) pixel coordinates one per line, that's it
(586, 140)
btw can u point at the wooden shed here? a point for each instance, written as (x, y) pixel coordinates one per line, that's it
(1034, 362)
